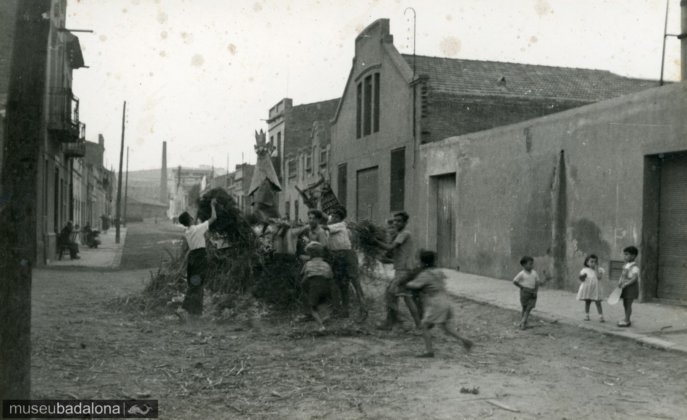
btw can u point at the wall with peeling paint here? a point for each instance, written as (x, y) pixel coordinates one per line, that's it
(557, 187)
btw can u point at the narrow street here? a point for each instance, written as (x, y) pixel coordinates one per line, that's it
(90, 342)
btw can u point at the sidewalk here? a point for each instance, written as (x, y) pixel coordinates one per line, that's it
(107, 255)
(658, 325)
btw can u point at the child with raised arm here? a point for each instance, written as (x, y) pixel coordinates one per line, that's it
(590, 288)
(197, 260)
(629, 282)
(528, 281)
(435, 302)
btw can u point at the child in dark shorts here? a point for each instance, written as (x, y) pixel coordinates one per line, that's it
(528, 281)
(629, 282)
(317, 281)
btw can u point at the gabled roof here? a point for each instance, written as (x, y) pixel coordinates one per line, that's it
(494, 78)
(299, 123)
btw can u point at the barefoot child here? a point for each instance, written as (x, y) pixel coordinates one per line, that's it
(629, 282)
(437, 307)
(590, 289)
(317, 281)
(528, 281)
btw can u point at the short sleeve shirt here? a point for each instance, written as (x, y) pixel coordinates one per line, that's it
(529, 280)
(403, 253)
(339, 237)
(195, 235)
(630, 270)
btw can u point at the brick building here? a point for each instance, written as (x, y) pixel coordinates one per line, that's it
(393, 103)
(301, 137)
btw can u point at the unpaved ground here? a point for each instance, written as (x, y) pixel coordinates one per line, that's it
(275, 367)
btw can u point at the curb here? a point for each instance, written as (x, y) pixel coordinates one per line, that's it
(654, 342)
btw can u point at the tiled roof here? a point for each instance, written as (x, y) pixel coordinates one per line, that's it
(300, 120)
(473, 77)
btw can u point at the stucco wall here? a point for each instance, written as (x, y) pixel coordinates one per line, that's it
(395, 129)
(556, 187)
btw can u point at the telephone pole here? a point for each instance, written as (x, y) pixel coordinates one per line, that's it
(118, 213)
(126, 184)
(19, 189)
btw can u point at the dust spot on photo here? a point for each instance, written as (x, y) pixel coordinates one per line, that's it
(102, 38)
(162, 17)
(232, 49)
(359, 28)
(163, 54)
(533, 39)
(163, 34)
(257, 7)
(449, 18)
(450, 46)
(197, 60)
(542, 7)
(187, 37)
(124, 10)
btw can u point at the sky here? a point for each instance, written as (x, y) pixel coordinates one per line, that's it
(202, 74)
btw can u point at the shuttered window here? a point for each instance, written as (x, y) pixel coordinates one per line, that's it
(397, 181)
(342, 184)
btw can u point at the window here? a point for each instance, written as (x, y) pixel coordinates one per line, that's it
(324, 158)
(368, 105)
(308, 162)
(397, 181)
(342, 184)
(287, 210)
(278, 142)
(359, 112)
(295, 210)
(292, 168)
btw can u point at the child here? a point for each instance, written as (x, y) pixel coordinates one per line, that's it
(317, 281)
(197, 261)
(436, 305)
(629, 282)
(590, 289)
(528, 281)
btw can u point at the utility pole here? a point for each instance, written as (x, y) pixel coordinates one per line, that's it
(126, 184)
(19, 189)
(118, 212)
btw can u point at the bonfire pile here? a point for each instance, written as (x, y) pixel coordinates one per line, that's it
(365, 240)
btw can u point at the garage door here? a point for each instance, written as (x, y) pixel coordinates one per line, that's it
(672, 234)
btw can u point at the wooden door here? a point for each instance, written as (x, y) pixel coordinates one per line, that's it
(367, 201)
(446, 220)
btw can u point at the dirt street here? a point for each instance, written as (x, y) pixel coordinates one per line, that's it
(86, 345)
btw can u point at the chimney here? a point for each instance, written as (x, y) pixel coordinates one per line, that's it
(683, 39)
(101, 141)
(164, 198)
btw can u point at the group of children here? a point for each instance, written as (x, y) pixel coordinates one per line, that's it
(590, 289)
(330, 264)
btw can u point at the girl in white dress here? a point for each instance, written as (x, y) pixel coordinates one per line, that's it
(590, 289)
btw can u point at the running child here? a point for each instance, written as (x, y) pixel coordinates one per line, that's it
(436, 304)
(590, 288)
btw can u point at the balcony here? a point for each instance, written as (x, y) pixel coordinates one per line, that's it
(76, 149)
(63, 113)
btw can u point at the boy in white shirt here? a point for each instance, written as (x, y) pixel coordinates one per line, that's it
(528, 281)
(197, 260)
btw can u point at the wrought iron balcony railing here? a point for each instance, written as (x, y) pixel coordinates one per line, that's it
(76, 149)
(63, 113)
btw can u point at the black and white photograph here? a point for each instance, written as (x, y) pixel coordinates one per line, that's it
(362, 209)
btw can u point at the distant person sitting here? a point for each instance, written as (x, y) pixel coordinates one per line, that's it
(64, 240)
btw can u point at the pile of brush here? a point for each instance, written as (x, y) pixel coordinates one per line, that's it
(366, 236)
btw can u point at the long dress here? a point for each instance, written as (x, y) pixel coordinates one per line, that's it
(435, 302)
(590, 288)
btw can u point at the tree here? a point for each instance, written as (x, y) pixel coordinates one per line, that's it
(23, 133)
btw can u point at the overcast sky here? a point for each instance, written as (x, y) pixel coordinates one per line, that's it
(203, 74)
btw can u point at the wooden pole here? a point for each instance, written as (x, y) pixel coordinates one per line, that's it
(126, 184)
(118, 213)
(22, 145)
